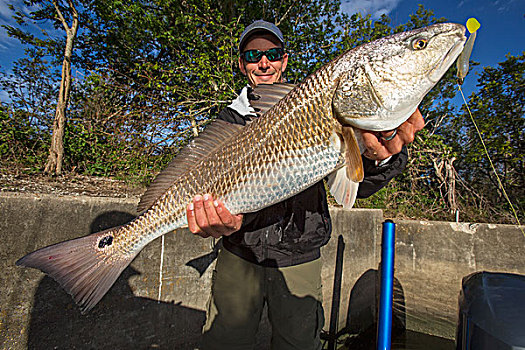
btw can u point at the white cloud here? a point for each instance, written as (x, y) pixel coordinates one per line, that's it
(4, 96)
(6, 14)
(10, 48)
(504, 5)
(375, 8)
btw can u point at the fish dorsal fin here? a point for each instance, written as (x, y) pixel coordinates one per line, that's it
(215, 136)
(353, 160)
(343, 189)
(265, 96)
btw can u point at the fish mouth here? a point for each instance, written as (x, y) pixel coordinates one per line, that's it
(441, 67)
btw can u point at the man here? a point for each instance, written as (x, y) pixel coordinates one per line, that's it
(272, 256)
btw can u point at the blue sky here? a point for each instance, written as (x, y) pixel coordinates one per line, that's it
(502, 26)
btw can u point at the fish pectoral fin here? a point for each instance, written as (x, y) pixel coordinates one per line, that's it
(343, 189)
(344, 182)
(353, 160)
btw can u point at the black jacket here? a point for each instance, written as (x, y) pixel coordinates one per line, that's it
(293, 231)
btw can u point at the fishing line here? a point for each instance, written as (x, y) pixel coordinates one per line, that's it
(490, 161)
(160, 268)
(462, 69)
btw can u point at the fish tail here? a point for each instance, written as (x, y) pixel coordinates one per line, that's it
(85, 267)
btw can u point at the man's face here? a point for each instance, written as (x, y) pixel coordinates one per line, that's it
(264, 71)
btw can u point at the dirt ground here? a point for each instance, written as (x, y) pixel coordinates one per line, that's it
(70, 184)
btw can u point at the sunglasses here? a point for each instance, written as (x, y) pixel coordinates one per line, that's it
(254, 56)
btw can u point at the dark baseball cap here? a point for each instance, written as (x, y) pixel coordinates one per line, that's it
(257, 26)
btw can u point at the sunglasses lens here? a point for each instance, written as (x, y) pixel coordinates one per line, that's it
(274, 54)
(254, 56)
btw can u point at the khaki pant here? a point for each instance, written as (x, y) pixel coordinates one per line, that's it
(239, 291)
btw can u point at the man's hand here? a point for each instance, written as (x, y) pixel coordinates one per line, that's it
(378, 149)
(208, 217)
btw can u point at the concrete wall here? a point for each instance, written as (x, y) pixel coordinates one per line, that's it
(35, 313)
(433, 257)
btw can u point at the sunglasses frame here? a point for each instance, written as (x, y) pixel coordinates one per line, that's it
(259, 54)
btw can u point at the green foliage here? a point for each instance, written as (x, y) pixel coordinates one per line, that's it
(25, 121)
(31, 87)
(22, 145)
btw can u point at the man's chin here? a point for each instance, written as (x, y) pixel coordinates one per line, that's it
(265, 79)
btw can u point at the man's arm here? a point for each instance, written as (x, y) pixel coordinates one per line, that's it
(383, 160)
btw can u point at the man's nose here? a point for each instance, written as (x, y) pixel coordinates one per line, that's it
(264, 63)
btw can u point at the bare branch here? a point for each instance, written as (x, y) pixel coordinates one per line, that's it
(285, 14)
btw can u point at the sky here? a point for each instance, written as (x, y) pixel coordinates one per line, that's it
(502, 26)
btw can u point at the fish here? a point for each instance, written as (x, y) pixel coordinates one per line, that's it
(305, 133)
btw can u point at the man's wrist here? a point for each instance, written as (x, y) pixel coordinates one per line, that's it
(380, 163)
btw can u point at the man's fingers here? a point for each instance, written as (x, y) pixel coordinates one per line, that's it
(417, 120)
(220, 219)
(192, 223)
(232, 222)
(208, 217)
(407, 131)
(202, 218)
(395, 145)
(216, 225)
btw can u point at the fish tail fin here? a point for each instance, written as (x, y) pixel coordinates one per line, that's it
(85, 267)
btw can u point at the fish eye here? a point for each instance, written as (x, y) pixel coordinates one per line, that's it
(419, 44)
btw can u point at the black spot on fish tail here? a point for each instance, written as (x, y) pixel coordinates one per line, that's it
(105, 242)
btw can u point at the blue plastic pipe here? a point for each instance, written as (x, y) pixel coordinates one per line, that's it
(384, 328)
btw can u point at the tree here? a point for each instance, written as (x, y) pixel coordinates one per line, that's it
(56, 13)
(56, 150)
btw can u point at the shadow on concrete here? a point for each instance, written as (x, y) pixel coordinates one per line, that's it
(119, 321)
(363, 309)
(110, 219)
(202, 263)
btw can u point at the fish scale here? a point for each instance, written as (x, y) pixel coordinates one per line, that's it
(306, 136)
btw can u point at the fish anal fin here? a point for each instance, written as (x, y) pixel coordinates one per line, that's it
(81, 266)
(214, 137)
(342, 188)
(353, 160)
